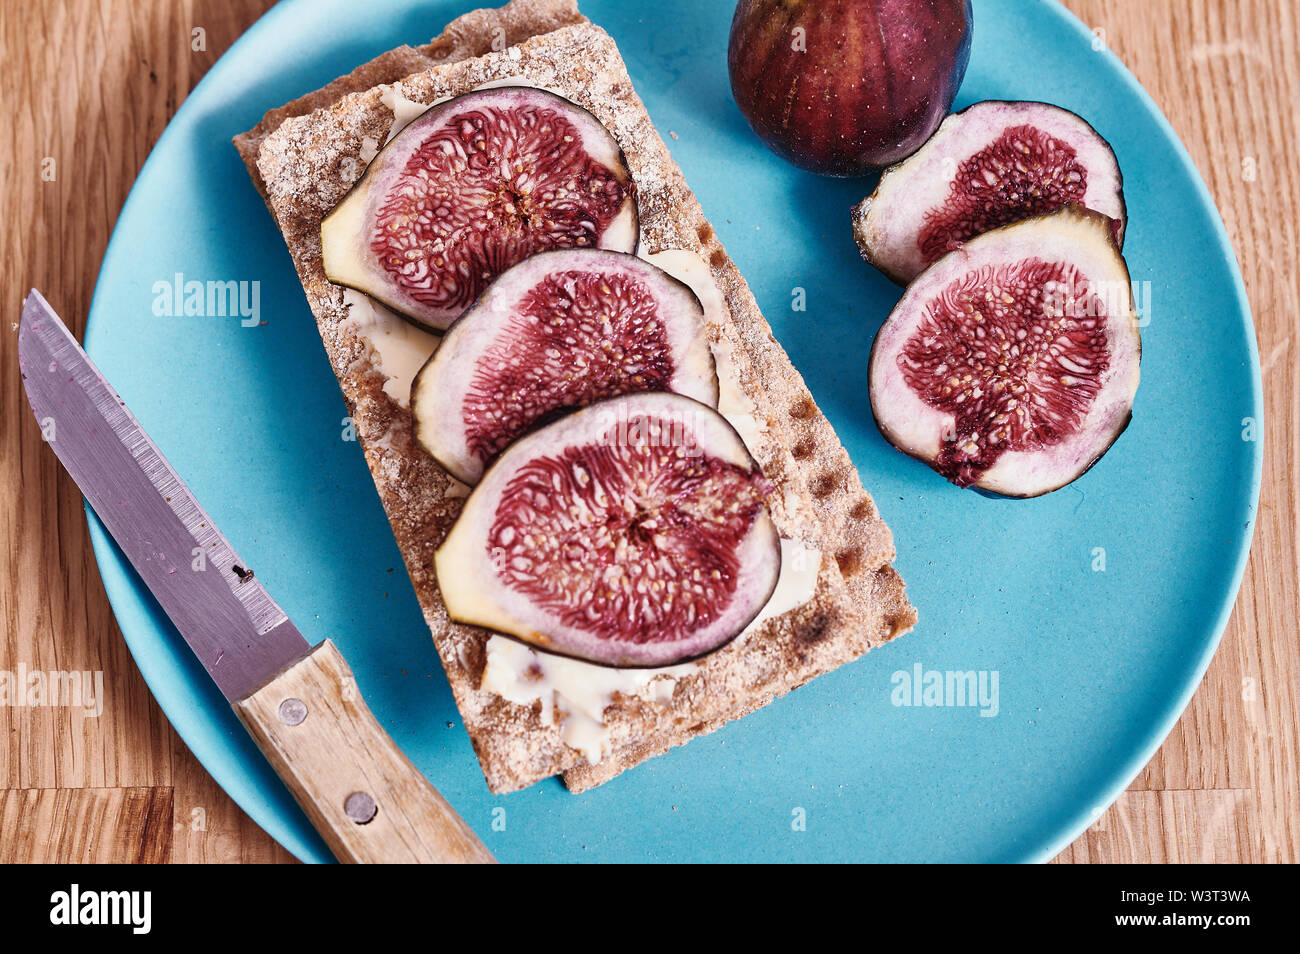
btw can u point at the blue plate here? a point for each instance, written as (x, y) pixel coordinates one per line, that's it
(1098, 607)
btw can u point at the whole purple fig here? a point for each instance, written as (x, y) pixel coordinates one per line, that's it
(841, 87)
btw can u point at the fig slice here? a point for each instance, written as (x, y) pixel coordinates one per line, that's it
(1010, 365)
(990, 165)
(632, 533)
(469, 188)
(558, 331)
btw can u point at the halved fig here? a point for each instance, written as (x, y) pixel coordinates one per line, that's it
(634, 532)
(990, 165)
(558, 331)
(1010, 365)
(474, 185)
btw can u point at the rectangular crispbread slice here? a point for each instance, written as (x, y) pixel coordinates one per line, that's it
(304, 156)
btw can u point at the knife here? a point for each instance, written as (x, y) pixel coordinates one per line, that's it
(300, 703)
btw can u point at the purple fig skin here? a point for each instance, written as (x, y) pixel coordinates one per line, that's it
(843, 87)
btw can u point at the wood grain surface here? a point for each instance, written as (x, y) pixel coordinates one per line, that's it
(88, 87)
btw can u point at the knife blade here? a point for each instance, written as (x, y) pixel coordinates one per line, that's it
(236, 630)
(374, 807)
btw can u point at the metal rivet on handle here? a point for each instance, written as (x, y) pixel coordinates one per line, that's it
(293, 711)
(360, 807)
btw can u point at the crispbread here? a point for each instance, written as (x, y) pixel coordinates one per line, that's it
(304, 156)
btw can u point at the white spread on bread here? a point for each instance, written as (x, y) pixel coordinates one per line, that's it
(733, 403)
(574, 694)
(405, 110)
(399, 349)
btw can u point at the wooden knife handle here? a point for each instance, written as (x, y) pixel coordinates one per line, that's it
(364, 796)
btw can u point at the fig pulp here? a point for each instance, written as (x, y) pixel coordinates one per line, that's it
(558, 331)
(1011, 364)
(992, 164)
(841, 87)
(633, 532)
(472, 186)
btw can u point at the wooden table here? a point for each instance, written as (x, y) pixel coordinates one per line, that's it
(86, 90)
